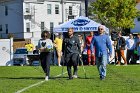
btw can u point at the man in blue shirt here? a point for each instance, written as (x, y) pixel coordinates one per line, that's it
(102, 44)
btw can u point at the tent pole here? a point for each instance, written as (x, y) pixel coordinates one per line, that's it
(86, 13)
(86, 8)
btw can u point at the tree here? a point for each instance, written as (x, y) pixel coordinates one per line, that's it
(116, 14)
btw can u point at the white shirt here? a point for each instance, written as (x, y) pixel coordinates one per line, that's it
(130, 43)
(47, 43)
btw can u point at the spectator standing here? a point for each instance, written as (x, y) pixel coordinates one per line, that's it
(90, 52)
(58, 45)
(130, 45)
(137, 40)
(45, 47)
(30, 47)
(71, 50)
(81, 42)
(120, 47)
(102, 45)
(82, 48)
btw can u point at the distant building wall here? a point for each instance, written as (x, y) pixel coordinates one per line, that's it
(12, 20)
(24, 17)
(136, 29)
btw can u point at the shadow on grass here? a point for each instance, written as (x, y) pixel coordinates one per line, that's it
(21, 77)
(86, 78)
(53, 78)
(39, 78)
(65, 77)
(58, 77)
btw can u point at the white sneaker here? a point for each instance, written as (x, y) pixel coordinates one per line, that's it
(138, 61)
(74, 76)
(46, 78)
(118, 65)
(59, 65)
(125, 65)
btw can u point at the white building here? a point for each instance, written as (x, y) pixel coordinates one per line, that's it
(27, 18)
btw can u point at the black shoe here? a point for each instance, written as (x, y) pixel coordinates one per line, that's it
(102, 77)
(70, 78)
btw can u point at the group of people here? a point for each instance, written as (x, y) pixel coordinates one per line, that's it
(98, 47)
(131, 45)
(71, 49)
(133, 48)
(85, 46)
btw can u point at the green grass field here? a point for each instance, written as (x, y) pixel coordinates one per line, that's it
(120, 79)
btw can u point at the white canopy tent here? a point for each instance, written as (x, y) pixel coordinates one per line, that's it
(80, 24)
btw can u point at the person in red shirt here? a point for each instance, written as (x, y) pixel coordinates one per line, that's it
(90, 52)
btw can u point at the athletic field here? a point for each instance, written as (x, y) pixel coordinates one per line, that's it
(30, 79)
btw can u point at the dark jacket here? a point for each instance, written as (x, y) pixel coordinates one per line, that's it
(121, 44)
(137, 42)
(71, 45)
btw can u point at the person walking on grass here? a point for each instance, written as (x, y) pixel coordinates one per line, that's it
(71, 50)
(45, 46)
(102, 45)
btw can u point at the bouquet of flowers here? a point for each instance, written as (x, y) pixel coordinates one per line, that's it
(49, 48)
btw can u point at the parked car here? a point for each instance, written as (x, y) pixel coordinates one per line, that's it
(20, 57)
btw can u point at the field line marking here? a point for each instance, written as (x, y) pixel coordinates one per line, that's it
(19, 91)
(36, 84)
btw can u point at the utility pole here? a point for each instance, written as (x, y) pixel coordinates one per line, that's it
(86, 8)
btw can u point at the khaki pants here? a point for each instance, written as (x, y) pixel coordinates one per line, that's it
(120, 53)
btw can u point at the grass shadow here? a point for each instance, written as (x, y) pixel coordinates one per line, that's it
(21, 77)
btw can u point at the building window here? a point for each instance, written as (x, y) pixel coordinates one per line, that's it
(27, 8)
(70, 17)
(42, 26)
(59, 23)
(28, 27)
(51, 26)
(138, 19)
(6, 10)
(49, 7)
(70, 10)
(6, 26)
(0, 27)
(56, 9)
